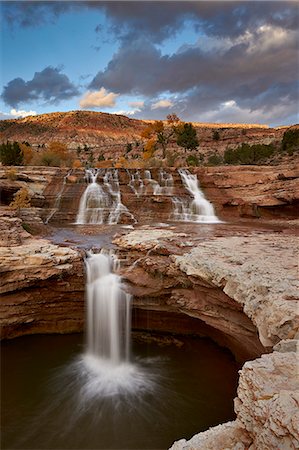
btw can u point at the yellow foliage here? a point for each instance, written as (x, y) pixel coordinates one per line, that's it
(27, 153)
(21, 199)
(149, 148)
(11, 174)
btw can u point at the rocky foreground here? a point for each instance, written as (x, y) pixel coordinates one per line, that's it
(259, 272)
(240, 290)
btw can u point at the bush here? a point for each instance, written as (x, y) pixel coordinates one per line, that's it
(192, 160)
(246, 154)
(11, 154)
(215, 160)
(21, 199)
(216, 135)
(290, 141)
(11, 174)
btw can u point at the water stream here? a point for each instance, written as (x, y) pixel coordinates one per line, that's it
(198, 208)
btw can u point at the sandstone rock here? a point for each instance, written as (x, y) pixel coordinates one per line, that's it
(267, 291)
(24, 265)
(228, 436)
(268, 400)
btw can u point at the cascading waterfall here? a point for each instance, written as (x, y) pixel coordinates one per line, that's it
(164, 185)
(108, 311)
(197, 210)
(101, 204)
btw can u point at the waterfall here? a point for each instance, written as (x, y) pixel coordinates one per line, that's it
(108, 311)
(197, 210)
(164, 185)
(101, 204)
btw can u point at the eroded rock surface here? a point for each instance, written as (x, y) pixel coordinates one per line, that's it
(257, 272)
(41, 287)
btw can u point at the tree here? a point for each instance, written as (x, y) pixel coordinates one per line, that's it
(216, 135)
(27, 151)
(161, 132)
(290, 140)
(21, 199)
(186, 136)
(11, 154)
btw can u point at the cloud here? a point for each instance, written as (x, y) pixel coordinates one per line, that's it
(101, 98)
(48, 85)
(137, 104)
(16, 114)
(160, 20)
(162, 104)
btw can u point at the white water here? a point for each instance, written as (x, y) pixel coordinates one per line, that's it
(106, 363)
(108, 311)
(101, 204)
(199, 209)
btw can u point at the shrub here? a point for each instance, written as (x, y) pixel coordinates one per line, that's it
(246, 154)
(216, 135)
(215, 160)
(11, 174)
(290, 141)
(192, 160)
(21, 199)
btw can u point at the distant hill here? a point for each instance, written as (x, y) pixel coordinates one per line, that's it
(109, 134)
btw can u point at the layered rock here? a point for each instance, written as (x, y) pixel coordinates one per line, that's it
(42, 288)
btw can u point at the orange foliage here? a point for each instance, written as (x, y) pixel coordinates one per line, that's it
(27, 153)
(105, 164)
(77, 164)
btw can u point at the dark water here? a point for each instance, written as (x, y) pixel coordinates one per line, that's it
(50, 400)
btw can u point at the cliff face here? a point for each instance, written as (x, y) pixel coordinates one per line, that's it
(108, 134)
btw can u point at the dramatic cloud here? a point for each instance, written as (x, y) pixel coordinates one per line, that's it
(101, 98)
(239, 58)
(162, 104)
(257, 69)
(48, 85)
(160, 20)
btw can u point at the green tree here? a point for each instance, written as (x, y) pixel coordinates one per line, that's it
(11, 154)
(290, 140)
(216, 135)
(186, 136)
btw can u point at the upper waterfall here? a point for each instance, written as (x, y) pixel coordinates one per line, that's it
(197, 210)
(101, 204)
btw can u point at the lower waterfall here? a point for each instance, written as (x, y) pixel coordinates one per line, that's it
(108, 311)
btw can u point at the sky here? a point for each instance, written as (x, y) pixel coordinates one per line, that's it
(206, 61)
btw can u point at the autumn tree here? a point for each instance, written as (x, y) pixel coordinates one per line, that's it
(21, 199)
(162, 132)
(27, 152)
